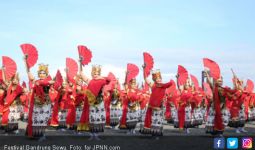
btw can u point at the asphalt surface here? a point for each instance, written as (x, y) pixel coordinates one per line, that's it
(115, 139)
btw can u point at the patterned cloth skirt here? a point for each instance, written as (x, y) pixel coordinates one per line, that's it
(142, 117)
(204, 113)
(132, 117)
(211, 116)
(97, 117)
(78, 114)
(197, 117)
(142, 114)
(156, 124)
(13, 118)
(240, 121)
(25, 116)
(115, 114)
(41, 115)
(251, 114)
(174, 114)
(188, 118)
(62, 118)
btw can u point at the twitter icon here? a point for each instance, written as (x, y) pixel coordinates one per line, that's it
(232, 143)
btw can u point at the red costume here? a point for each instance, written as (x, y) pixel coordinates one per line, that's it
(39, 97)
(129, 101)
(185, 98)
(92, 99)
(155, 102)
(11, 100)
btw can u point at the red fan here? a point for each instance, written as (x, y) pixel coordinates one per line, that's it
(132, 71)
(10, 67)
(195, 81)
(111, 76)
(71, 69)
(113, 79)
(31, 53)
(172, 88)
(213, 67)
(182, 75)
(58, 80)
(207, 89)
(249, 86)
(148, 61)
(84, 54)
(24, 85)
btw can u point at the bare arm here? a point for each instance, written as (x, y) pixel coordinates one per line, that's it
(84, 78)
(235, 78)
(147, 81)
(80, 65)
(208, 80)
(30, 75)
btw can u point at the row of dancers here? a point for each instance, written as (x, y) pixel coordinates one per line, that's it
(91, 104)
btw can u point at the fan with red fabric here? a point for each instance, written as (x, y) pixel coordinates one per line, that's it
(194, 81)
(182, 75)
(132, 71)
(85, 54)
(111, 76)
(58, 80)
(31, 53)
(71, 69)
(207, 89)
(213, 67)
(249, 86)
(113, 79)
(172, 88)
(148, 62)
(24, 85)
(9, 66)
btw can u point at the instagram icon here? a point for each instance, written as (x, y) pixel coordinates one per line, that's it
(246, 143)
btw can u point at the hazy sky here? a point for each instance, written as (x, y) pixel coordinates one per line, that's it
(117, 32)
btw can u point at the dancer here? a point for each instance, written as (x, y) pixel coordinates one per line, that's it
(153, 123)
(11, 111)
(237, 109)
(130, 99)
(94, 119)
(40, 105)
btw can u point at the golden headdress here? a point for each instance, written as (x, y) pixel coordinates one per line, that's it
(96, 69)
(43, 67)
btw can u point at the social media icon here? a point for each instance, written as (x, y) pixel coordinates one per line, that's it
(219, 143)
(232, 143)
(246, 143)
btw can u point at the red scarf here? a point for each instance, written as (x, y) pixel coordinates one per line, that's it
(218, 123)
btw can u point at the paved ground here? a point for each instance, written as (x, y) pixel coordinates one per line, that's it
(169, 130)
(113, 139)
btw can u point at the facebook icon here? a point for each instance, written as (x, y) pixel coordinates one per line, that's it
(219, 143)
